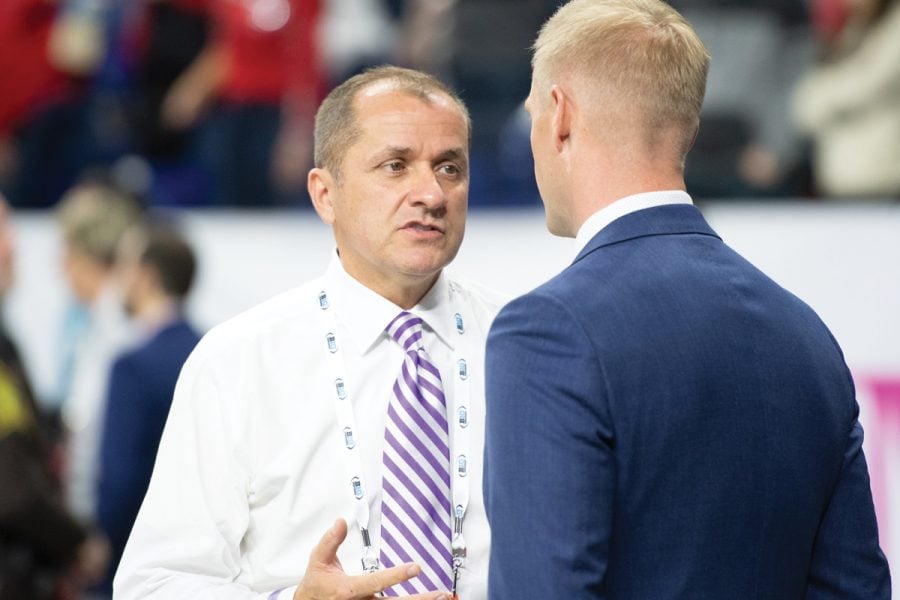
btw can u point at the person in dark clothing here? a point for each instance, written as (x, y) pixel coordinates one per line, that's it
(42, 547)
(157, 269)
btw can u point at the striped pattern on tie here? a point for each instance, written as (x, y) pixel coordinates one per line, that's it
(415, 520)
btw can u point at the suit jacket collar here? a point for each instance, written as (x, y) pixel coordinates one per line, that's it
(659, 220)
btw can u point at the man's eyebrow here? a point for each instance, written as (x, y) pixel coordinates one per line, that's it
(452, 154)
(391, 152)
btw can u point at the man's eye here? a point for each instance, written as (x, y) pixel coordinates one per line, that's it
(394, 166)
(449, 169)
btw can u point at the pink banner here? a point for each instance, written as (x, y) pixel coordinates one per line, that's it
(879, 399)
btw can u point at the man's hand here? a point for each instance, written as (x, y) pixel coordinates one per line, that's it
(325, 578)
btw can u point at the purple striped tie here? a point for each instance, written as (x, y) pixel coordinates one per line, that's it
(415, 517)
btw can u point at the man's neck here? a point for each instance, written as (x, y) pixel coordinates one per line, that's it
(404, 292)
(156, 312)
(404, 296)
(605, 171)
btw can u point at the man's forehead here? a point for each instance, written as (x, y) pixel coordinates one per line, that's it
(387, 122)
(400, 111)
(387, 88)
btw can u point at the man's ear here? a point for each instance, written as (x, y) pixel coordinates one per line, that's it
(561, 105)
(321, 185)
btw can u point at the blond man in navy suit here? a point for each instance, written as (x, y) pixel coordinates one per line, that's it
(664, 421)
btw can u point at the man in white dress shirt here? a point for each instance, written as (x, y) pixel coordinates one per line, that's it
(268, 481)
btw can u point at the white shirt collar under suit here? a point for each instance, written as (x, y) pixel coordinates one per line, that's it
(623, 206)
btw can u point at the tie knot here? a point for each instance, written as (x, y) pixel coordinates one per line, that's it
(406, 330)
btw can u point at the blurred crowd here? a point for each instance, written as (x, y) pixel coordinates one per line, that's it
(74, 465)
(113, 110)
(210, 102)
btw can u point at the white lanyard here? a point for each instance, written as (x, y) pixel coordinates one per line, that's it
(459, 433)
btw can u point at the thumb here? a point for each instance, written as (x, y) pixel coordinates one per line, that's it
(325, 551)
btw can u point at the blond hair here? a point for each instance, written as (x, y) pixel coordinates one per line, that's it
(336, 127)
(93, 218)
(637, 53)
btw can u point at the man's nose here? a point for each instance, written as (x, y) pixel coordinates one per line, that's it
(427, 190)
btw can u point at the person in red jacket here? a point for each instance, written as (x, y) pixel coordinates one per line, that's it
(40, 119)
(259, 78)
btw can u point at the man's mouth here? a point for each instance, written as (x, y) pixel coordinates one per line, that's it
(423, 227)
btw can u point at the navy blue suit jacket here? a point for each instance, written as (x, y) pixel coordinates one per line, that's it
(141, 385)
(664, 421)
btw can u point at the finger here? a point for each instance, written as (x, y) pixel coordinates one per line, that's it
(369, 584)
(429, 596)
(325, 551)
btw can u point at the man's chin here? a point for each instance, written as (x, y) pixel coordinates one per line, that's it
(425, 262)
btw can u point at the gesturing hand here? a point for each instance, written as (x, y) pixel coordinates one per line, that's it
(325, 578)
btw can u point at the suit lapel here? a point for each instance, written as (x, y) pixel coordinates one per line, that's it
(660, 220)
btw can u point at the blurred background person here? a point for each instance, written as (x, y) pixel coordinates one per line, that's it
(356, 34)
(208, 102)
(259, 79)
(849, 102)
(489, 63)
(46, 61)
(747, 146)
(156, 41)
(92, 218)
(156, 268)
(482, 48)
(43, 549)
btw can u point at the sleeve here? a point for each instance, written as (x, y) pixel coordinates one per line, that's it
(550, 473)
(187, 537)
(847, 562)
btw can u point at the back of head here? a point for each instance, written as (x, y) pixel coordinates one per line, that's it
(167, 252)
(337, 128)
(636, 59)
(93, 218)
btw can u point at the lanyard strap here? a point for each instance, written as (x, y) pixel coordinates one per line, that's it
(336, 372)
(460, 442)
(459, 433)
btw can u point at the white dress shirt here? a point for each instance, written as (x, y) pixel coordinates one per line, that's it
(251, 467)
(623, 206)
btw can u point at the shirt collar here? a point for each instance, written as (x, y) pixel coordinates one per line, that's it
(365, 313)
(623, 206)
